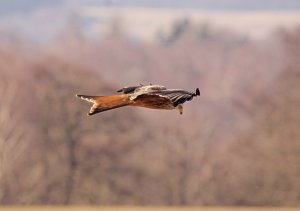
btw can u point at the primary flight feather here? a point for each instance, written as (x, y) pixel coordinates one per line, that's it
(151, 96)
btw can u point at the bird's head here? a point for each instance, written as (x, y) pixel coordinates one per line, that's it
(197, 93)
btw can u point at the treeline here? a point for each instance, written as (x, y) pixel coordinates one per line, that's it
(238, 144)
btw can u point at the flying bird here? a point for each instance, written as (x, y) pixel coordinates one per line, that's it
(150, 96)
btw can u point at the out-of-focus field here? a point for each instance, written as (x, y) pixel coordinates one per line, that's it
(144, 209)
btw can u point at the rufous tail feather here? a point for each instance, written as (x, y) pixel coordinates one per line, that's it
(104, 103)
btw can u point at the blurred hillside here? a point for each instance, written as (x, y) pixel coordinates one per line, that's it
(29, 5)
(144, 23)
(142, 19)
(237, 144)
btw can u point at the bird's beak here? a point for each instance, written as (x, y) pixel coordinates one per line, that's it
(180, 109)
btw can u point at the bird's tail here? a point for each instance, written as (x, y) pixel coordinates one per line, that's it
(104, 103)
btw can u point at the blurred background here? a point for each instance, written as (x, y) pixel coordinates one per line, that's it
(236, 145)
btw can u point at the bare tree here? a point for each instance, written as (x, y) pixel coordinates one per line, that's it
(12, 133)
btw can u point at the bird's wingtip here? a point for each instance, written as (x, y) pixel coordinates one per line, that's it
(197, 92)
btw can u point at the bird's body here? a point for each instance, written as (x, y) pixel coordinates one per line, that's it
(151, 96)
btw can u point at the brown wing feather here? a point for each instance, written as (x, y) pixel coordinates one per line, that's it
(153, 101)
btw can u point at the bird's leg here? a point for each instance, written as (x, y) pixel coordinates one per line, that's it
(180, 109)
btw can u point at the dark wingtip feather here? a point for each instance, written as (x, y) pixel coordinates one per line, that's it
(197, 92)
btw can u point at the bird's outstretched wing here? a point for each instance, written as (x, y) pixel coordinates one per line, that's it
(129, 89)
(175, 96)
(141, 88)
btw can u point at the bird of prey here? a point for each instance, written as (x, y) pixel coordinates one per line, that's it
(150, 96)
